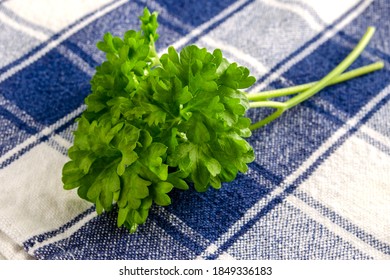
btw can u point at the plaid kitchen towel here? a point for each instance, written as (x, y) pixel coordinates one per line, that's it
(319, 187)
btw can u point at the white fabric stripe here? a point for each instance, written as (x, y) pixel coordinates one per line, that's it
(255, 209)
(212, 249)
(261, 69)
(182, 226)
(76, 60)
(18, 148)
(201, 28)
(71, 230)
(17, 112)
(327, 35)
(62, 141)
(173, 219)
(364, 129)
(375, 135)
(249, 214)
(26, 118)
(225, 256)
(25, 29)
(336, 229)
(291, 7)
(23, 21)
(45, 132)
(59, 40)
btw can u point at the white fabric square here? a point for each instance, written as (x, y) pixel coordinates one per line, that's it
(355, 183)
(52, 14)
(33, 202)
(296, 24)
(326, 9)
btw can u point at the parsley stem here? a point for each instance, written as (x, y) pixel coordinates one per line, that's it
(300, 88)
(335, 72)
(325, 81)
(267, 103)
(267, 119)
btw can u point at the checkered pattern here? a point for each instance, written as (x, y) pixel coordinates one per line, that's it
(318, 189)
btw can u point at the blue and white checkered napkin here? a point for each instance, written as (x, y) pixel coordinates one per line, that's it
(318, 189)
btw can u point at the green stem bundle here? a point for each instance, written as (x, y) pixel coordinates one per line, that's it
(305, 91)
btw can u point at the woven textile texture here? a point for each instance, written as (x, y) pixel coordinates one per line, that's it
(319, 187)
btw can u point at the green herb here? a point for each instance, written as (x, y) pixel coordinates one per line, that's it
(157, 123)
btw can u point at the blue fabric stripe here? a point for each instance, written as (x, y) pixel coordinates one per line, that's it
(181, 237)
(17, 155)
(194, 12)
(281, 147)
(80, 53)
(107, 23)
(51, 39)
(374, 15)
(374, 142)
(219, 22)
(21, 59)
(371, 48)
(195, 247)
(47, 99)
(18, 122)
(163, 19)
(40, 139)
(307, 44)
(266, 173)
(287, 233)
(339, 220)
(12, 130)
(214, 211)
(42, 237)
(264, 211)
(110, 242)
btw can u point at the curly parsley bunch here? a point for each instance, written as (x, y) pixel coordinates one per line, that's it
(157, 123)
